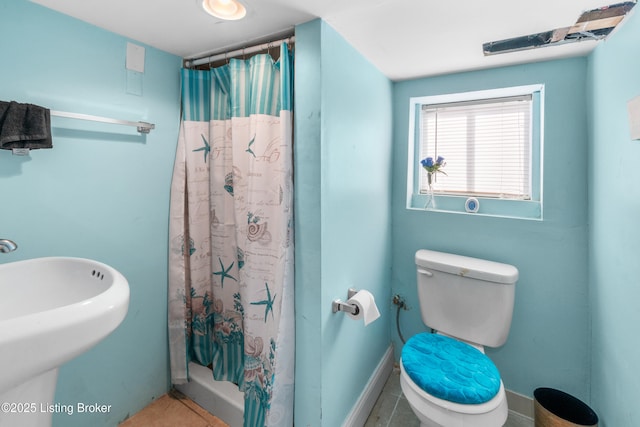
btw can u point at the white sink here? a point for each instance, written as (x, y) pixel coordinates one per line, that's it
(51, 310)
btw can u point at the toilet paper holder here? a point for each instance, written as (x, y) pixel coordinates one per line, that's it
(338, 305)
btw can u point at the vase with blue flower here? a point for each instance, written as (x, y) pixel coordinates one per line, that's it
(432, 167)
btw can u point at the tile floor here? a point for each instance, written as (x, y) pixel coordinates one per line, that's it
(390, 410)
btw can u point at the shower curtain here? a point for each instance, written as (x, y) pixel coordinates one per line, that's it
(231, 242)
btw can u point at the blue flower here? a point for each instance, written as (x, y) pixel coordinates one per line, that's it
(431, 167)
(427, 162)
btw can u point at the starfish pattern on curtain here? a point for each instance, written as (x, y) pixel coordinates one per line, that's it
(231, 292)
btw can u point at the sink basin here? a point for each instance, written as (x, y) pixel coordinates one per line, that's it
(51, 310)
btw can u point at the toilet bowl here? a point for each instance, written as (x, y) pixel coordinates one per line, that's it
(445, 376)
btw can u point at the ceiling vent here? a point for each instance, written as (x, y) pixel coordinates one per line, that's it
(594, 24)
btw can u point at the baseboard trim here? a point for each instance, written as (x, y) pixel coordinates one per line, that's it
(520, 403)
(365, 403)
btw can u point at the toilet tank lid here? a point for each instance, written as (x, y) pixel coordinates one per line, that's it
(475, 268)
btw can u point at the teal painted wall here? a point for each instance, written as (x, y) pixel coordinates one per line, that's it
(308, 226)
(343, 218)
(102, 192)
(614, 210)
(549, 340)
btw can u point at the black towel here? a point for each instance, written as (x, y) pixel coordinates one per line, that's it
(24, 126)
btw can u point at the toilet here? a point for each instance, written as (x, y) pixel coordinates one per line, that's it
(445, 375)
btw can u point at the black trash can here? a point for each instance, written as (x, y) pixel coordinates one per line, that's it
(555, 408)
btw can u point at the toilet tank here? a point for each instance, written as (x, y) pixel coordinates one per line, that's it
(467, 298)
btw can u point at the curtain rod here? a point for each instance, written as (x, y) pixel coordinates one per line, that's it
(143, 127)
(251, 49)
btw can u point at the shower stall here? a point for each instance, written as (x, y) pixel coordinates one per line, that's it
(221, 398)
(230, 299)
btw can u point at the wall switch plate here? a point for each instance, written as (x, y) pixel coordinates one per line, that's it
(135, 58)
(134, 83)
(634, 117)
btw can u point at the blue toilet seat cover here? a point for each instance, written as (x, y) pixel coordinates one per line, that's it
(449, 369)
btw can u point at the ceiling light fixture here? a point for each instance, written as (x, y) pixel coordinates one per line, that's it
(230, 10)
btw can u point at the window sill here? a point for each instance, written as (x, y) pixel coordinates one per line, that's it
(501, 208)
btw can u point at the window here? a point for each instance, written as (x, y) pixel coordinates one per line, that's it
(492, 144)
(487, 145)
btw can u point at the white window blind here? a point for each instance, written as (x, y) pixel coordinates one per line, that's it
(486, 145)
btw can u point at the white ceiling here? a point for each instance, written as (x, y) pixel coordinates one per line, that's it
(403, 38)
